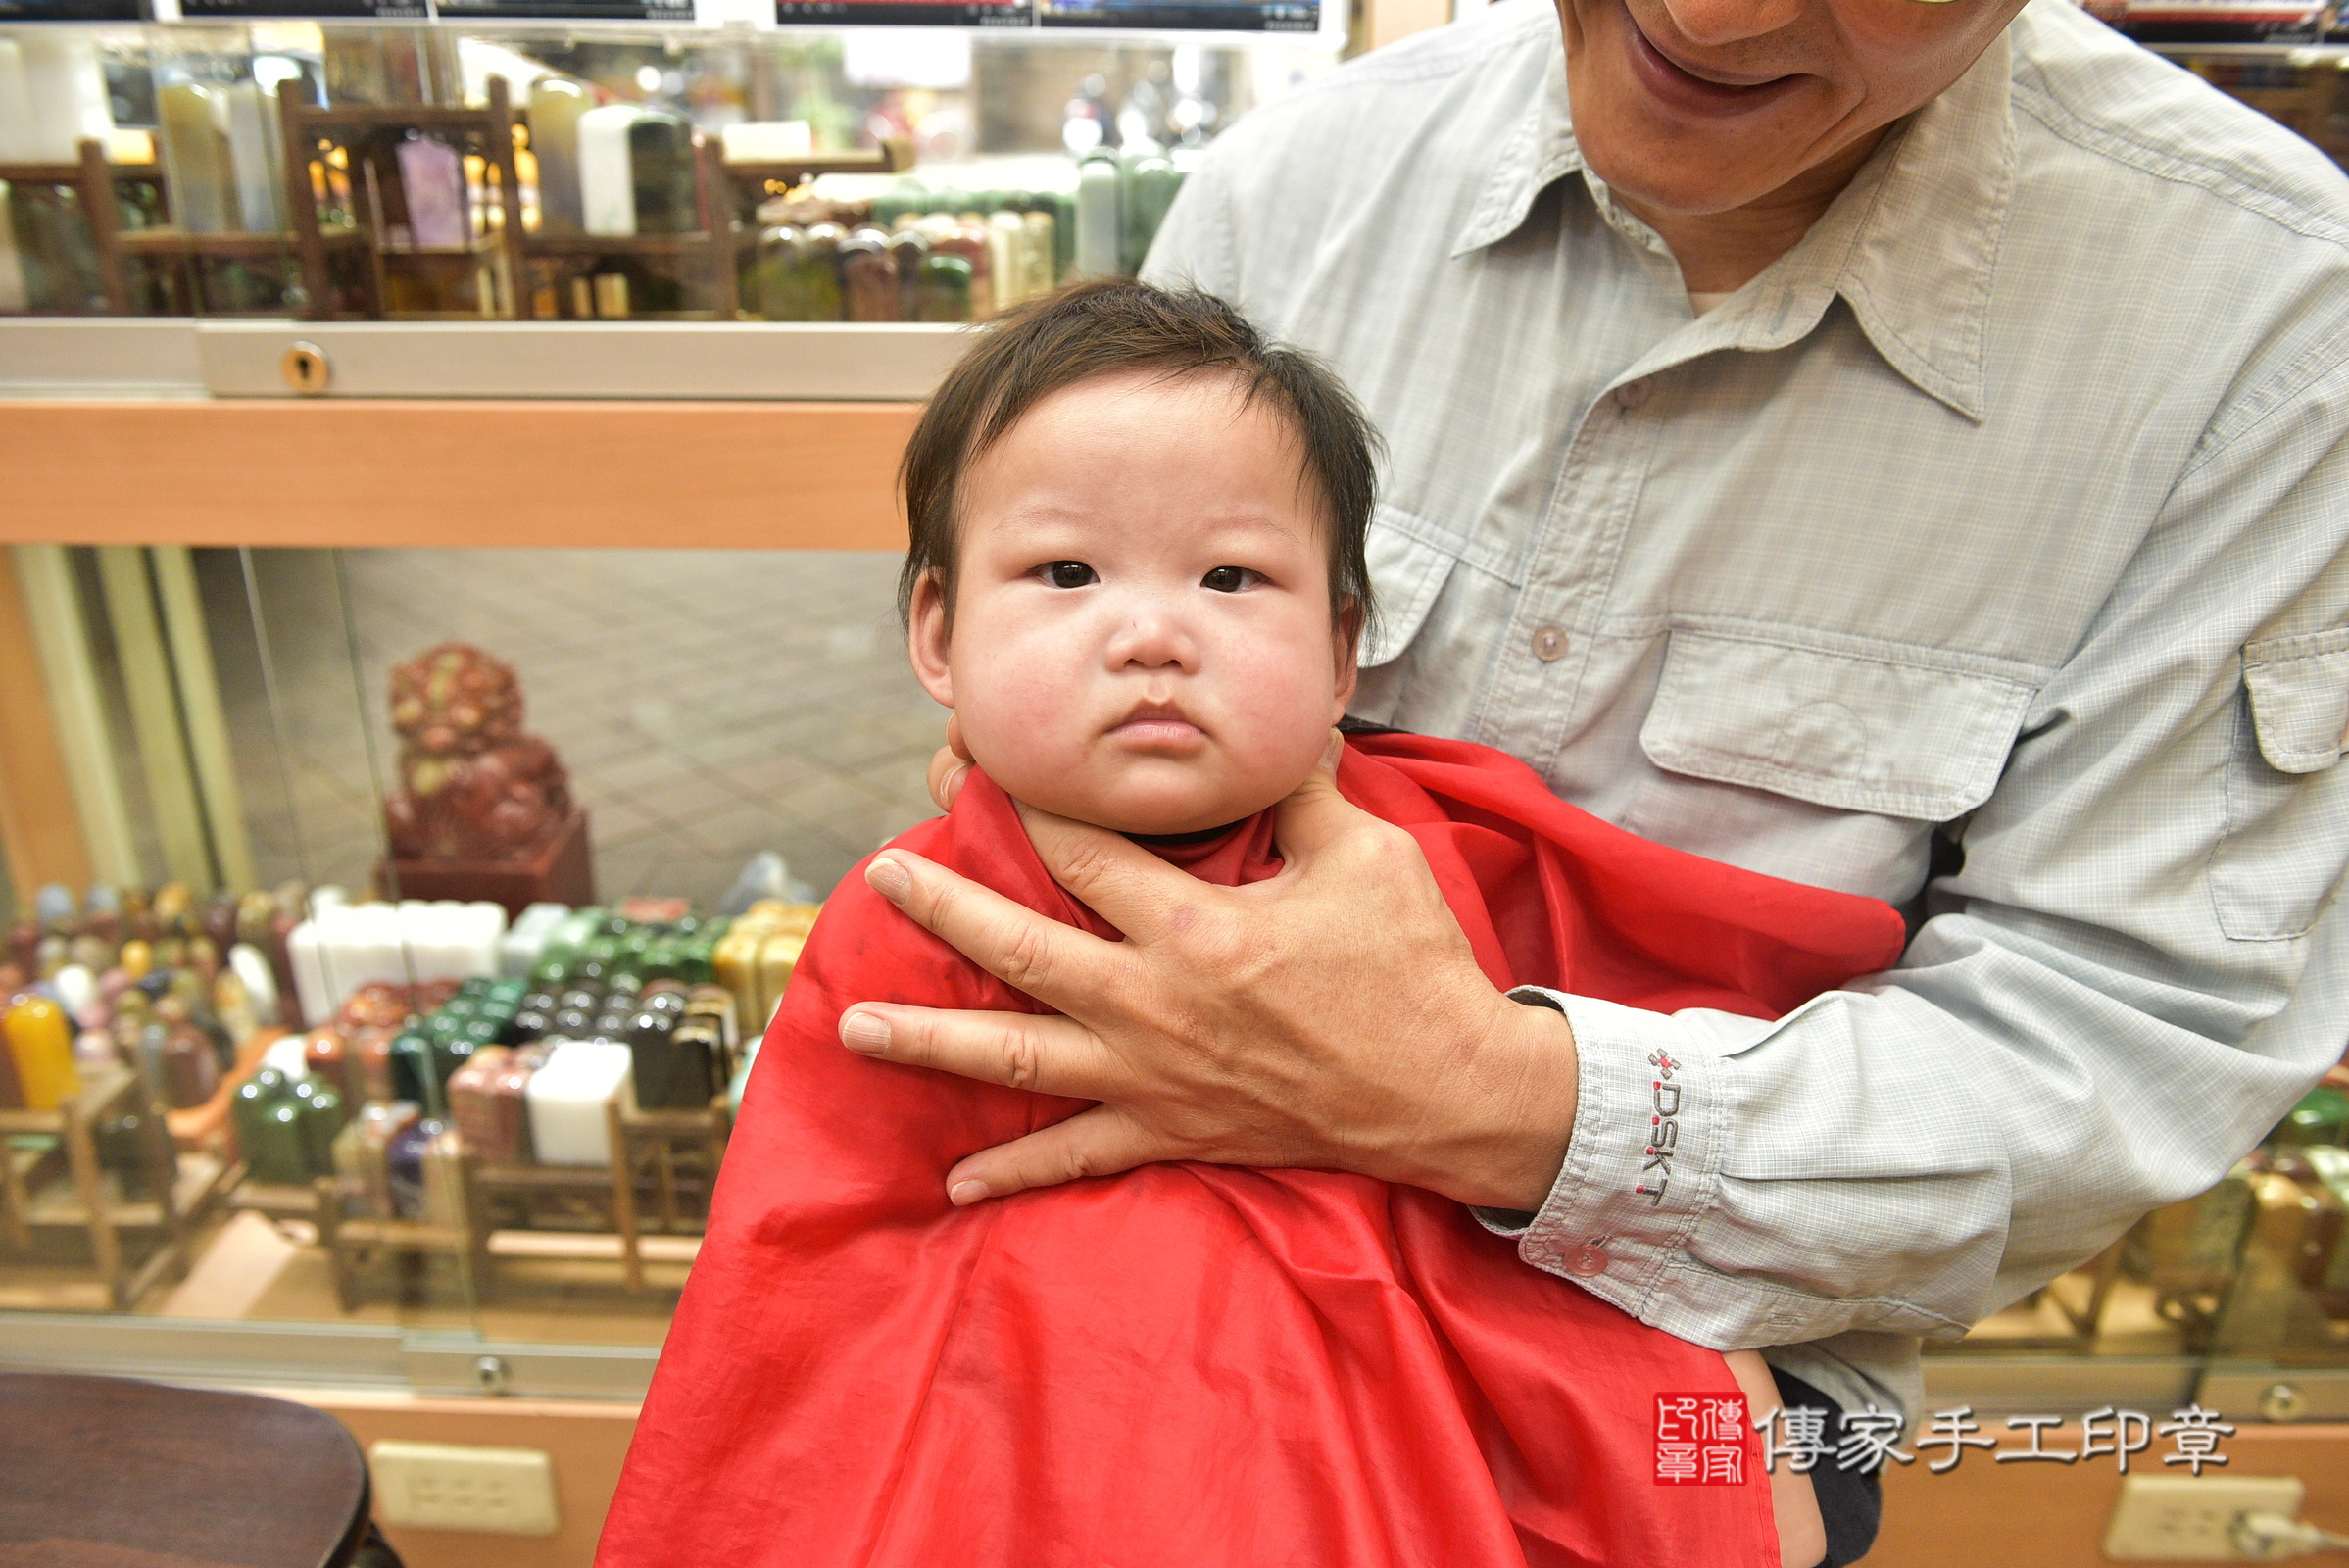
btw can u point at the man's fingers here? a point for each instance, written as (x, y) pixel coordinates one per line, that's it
(947, 774)
(949, 768)
(1049, 961)
(1100, 1142)
(1048, 1054)
(1116, 878)
(1314, 813)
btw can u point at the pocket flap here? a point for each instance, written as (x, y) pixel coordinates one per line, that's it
(1405, 575)
(2299, 697)
(1896, 730)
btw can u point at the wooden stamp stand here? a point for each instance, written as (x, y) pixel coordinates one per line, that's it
(680, 1151)
(354, 1245)
(604, 1185)
(643, 1142)
(31, 1198)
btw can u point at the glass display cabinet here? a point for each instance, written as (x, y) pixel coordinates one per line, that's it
(448, 653)
(449, 639)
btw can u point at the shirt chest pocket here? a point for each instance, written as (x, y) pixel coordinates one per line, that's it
(1851, 724)
(1407, 573)
(2286, 829)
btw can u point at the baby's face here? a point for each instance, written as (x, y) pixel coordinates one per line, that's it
(1142, 634)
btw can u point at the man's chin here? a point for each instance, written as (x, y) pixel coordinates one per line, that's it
(1680, 180)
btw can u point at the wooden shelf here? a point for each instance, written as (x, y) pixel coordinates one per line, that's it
(369, 472)
(405, 1236)
(197, 1181)
(775, 176)
(71, 173)
(724, 196)
(543, 1178)
(475, 251)
(693, 1123)
(277, 1199)
(179, 242)
(387, 117)
(544, 244)
(99, 1090)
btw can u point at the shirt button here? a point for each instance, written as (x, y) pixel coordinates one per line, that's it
(1586, 1261)
(1634, 393)
(1549, 645)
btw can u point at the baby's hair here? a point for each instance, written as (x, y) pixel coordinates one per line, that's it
(1116, 325)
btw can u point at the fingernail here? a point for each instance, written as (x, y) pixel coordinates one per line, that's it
(965, 1193)
(1336, 749)
(887, 878)
(867, 1032)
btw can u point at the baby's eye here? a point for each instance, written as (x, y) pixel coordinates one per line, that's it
(1069, 574)
(1229, 579)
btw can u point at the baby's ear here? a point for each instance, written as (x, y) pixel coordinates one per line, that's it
(927, 626)
(1345, 636)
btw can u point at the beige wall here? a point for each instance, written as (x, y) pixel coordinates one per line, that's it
(1980, 1515)
(585, 1440)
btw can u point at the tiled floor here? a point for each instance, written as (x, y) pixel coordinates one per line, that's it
(708, 705)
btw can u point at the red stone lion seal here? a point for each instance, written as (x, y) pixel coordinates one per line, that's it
(474, 786)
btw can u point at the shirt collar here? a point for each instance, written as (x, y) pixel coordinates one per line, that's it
(1910, 245)
(1537, 150)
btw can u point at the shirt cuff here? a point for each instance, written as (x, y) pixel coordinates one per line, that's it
(1649, 1126)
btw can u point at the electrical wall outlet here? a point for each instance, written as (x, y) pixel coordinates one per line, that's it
(2187, 1519)
(444, 1485)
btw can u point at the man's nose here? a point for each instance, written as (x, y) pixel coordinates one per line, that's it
(1713, 22)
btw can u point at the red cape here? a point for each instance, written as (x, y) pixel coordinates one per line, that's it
(1194, 1366)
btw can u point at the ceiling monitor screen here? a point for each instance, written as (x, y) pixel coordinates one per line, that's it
(563, 10)
(14, 11)
(1236, 21)
(313, 10)
(1201, 16)
(904, 13)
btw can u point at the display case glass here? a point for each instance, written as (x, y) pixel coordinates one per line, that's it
(464, 882)
(532, 162)
(450, 889)
(415, 808)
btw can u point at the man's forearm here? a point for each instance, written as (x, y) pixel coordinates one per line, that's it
(1890, 1161)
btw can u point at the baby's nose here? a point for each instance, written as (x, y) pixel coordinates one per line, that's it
(1153, 637)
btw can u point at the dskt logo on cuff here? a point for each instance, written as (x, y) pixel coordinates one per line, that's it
(1663, 1129)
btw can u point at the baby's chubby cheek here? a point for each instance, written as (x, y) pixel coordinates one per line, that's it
(1027, 724)
(1035, 763)
(1074, 772)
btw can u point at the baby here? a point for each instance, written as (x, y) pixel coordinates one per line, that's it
(1137, 577)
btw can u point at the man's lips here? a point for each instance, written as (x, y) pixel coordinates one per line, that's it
(1684, 87)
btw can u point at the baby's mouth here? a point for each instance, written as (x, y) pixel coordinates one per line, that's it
(1155, 725)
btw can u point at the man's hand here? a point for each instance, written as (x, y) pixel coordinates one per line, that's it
(950, 766)
(1332, 1016)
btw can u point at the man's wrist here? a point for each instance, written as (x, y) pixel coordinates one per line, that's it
(1511, 1130)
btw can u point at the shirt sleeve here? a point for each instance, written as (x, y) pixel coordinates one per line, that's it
(2138, 967)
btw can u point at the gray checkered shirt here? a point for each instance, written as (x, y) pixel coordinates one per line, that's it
(2009, 504)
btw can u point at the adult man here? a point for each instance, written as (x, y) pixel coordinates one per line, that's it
(1864, 441)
